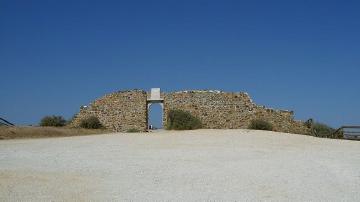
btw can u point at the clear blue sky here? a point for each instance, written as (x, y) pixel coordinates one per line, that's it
(297, 55)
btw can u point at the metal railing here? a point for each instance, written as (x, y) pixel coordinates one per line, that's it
(5, 122)
(349, 132)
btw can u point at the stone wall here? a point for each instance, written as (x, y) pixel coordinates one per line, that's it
(124, 110)
(119, 111)
(225, 110)
(282, 120)
(215, 109)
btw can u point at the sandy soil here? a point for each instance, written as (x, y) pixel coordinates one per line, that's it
(202, 165)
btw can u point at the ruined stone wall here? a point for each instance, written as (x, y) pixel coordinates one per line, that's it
(214, 109)
(225, 110)
(119, 111)
(282, 120)
(124, 110)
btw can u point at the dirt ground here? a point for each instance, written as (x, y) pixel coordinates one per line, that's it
(201, 165)
(27, 132)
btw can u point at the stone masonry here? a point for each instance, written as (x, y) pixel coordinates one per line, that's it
(124, 110)
(119, 111)
(223, 110)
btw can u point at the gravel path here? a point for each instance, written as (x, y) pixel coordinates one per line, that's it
(202, 165)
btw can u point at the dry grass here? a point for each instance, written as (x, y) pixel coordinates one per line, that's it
(39, 132)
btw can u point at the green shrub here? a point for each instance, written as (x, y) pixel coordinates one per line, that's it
(133, 130)
(323, 130)
(259, 124)
(56, 121)
(182, 120)
(91, 122)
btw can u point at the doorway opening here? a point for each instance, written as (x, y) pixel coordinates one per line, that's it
(155, 116)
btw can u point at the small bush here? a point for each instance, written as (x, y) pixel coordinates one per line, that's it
(91, 122)
(182, 120)
(323, 130)
(56, 121)
(133, 130)
(259, 124)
